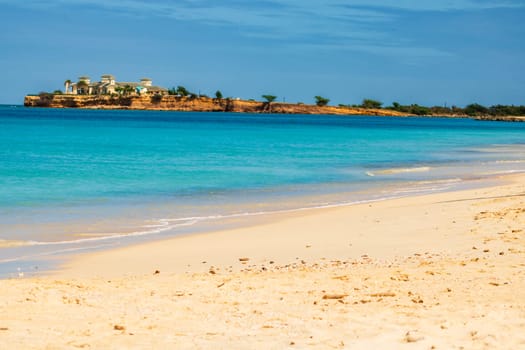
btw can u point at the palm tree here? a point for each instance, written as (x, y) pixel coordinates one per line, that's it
(128, 89)
(67, 84)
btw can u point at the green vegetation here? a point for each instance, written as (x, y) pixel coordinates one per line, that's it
(269, 98)
(267, 105)
(369, 103)
(124, 90)
(128, 89)
(472, 110)
(180, 91)
(499, 110)
(475, 110)
(321, 101)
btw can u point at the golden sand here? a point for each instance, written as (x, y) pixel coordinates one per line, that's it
(438, 271)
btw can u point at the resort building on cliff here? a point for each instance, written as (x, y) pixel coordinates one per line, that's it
(108, 85)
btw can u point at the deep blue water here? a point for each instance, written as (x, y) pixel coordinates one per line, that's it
(69, 175)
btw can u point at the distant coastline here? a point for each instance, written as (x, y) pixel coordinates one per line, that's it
(207, 104)
(108, 93)
(192, 104)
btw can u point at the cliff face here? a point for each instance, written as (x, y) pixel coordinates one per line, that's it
(202, 104)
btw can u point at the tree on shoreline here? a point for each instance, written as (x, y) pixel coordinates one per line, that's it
(218, 95)
(369, 103)
(475, 109)
(181, 90)
(269, 98)
(321, 101)
(267, 106)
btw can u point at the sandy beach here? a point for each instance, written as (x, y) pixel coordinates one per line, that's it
(440, 271)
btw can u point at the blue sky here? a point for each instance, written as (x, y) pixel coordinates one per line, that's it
(429, 52)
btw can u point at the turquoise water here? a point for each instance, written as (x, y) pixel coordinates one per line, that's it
(78, 179)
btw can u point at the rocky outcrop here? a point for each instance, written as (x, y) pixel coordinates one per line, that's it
(200, 104)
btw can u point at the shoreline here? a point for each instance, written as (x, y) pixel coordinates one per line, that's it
(199, 104)
(441, 270)
(206, 104)
(44, 262)
(186, 256)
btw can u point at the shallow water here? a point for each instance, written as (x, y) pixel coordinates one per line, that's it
(80, 179)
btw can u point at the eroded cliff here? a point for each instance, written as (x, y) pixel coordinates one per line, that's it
(201, 104)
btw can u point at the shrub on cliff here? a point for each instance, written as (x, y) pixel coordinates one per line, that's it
(419, 110)
(369, 103)
(181, 90)
(321, 101)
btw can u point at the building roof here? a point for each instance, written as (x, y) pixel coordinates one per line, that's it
(124, 83)
(99, 85)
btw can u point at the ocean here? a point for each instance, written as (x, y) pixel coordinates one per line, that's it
(77, 180)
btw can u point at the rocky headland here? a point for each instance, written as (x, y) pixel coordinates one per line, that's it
(198, 104)
(207, 104)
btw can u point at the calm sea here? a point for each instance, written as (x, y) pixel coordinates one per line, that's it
(84, 179)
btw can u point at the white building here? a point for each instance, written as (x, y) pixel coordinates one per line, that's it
(108, 85)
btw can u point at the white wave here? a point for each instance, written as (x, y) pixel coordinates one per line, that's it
(108, 236)
(166, 224)
(394, 171)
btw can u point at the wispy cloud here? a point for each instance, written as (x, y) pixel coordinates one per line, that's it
(332, 23)
(272, 13)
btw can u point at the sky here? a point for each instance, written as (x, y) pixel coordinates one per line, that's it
(430, 52)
